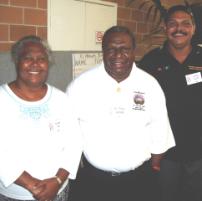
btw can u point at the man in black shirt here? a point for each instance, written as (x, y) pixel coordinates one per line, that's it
(177, 65)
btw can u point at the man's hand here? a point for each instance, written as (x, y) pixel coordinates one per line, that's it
(155, 161)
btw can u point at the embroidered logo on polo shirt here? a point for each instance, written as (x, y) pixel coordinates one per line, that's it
(139, 101)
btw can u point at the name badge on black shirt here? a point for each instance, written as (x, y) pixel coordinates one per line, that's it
(193, 78)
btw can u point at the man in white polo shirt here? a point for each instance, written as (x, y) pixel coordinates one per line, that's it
(124, 123)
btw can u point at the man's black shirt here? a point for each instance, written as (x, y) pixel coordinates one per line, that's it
(184, 99)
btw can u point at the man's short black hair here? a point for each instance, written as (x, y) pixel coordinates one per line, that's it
(118, 29)
(176, 8)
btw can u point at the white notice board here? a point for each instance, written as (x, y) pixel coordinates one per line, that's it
(84, 61)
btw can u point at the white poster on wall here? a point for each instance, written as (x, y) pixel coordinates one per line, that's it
(84, 61)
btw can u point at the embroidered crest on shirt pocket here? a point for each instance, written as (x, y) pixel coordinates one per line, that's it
(139, 101)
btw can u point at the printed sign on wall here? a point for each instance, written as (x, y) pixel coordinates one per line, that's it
(99, 36)
(84, 61)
